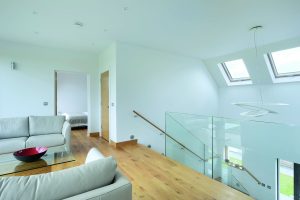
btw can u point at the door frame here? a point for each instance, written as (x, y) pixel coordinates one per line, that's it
(55, 92)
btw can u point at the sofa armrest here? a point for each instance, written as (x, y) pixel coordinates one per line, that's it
(121, 188)
(66, 132)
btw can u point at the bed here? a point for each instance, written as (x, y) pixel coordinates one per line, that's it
(77, 119)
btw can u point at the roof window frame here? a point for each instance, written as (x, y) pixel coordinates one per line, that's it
(275, 71)
(228, 77)
(231, 79)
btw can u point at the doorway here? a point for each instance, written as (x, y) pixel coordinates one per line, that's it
(71, 98)
(105, 105)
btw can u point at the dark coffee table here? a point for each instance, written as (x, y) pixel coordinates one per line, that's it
(9, 164)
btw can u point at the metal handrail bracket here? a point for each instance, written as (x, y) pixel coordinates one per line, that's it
(242, 168)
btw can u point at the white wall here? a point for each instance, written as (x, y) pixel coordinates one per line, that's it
(23, 91)
(153, 82)
(71, 92)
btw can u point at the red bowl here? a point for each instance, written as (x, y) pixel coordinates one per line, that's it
(30, 154)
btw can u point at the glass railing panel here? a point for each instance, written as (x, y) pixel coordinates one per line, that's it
(233, 167)
(179, 132)
(254, 146)
(226, 143)
(236, 184)
(200, 127)
(209, 161)
(243, 154)
(177, 152)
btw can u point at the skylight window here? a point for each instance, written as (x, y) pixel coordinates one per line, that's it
(236, 70)
(285, 63)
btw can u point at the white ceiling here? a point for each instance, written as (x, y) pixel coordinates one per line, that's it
(199, 28)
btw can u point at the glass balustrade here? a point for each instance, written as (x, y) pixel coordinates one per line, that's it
(253, 157)
(189, 143)
(181, 154)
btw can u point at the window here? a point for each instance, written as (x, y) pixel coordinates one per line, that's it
(233, 155)
(236, 70)
(286, 180)
(285, 63)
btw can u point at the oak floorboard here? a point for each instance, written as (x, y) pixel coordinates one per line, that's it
(153, 176)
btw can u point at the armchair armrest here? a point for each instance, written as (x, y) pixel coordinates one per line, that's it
(66, 132)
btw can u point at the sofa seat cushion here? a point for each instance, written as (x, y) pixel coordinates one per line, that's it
(45, 140)
(14, 127)
(60, 184)
(12, 144)
(43, 125)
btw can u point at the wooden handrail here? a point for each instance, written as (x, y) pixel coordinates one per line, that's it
(182, 145)
(144, 118)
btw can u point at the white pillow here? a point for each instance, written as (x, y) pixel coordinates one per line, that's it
(93, 155)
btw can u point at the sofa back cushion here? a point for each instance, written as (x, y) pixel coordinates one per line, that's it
(14, 127)
(60, 184)
(41, 125)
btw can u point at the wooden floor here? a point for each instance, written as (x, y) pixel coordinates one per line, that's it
(153, 176)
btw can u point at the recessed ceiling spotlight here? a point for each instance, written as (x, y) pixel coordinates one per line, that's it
(78, 23)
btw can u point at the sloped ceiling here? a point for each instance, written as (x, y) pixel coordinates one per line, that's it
(198, 28)
(256, 65)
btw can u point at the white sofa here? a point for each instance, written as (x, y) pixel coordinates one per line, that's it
(23, 132)
(97, 179)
